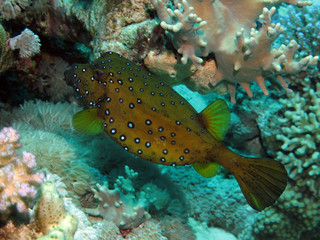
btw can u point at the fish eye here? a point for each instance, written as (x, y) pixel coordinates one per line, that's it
(99, 75)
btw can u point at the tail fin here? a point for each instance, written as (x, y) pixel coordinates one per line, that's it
(262, 181)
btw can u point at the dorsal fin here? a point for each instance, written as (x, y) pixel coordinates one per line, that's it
(88, 122)
(207, 170)
(216, 118)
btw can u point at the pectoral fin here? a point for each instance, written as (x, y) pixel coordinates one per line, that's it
(216, 118)
(88, 122)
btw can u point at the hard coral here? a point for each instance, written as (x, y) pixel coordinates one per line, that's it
(301, 137)
(302, 25)
(17, 182)
(222, 27)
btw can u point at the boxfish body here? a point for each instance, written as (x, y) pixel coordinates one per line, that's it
(149, 119)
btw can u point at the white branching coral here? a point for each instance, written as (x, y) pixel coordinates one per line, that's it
(243, 53)
(27, 42)
(301, 137)
(17, 182)
(10, 9)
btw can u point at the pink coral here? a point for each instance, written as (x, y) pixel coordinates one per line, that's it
(17, 182)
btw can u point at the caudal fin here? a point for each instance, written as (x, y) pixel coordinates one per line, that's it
(262, 181)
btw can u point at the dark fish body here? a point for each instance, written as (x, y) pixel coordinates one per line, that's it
(149, 119)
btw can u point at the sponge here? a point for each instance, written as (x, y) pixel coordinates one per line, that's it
(51, 215)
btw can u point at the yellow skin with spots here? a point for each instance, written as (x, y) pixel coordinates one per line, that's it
(149, 119)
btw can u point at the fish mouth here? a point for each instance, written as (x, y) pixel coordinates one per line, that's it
(69, 76)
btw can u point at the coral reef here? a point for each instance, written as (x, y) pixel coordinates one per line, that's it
(302, 25)
(54, 153)
(6, 54)
(299, 206)
(121, 205)
(50, 80)
(301, 137)
(43, 76)
(198, 28)
(27, 42)
(51, 215)
(17, 181)
(297, 211)
(10, 231)
(214, 35)
(46, 130)
(10, 9)
(167, 66)
(203, 232)
(216, 201)
(3, 37)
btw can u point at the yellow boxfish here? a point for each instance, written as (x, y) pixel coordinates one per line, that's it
(151, 120)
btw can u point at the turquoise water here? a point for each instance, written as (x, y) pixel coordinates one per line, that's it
(58, 183)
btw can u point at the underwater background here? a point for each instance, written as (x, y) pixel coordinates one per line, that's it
(260, 56)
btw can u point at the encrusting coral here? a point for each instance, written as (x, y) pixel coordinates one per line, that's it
(17, 181)
(198, 28)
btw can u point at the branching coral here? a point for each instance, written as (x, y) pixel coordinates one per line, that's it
(197, 28)
(301, 137)
(303, 26)
(17, 182)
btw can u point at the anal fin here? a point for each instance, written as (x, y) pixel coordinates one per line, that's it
(207, 170)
